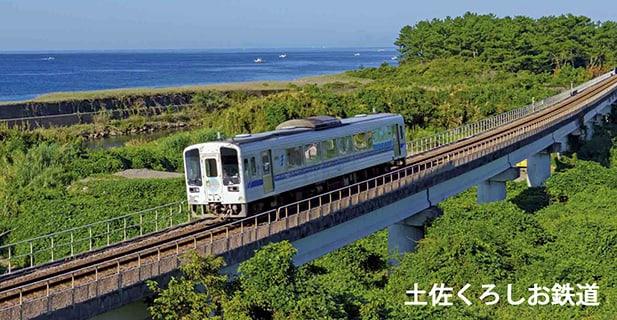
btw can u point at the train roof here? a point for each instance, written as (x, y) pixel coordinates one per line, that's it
(317, 123)
(292, 127)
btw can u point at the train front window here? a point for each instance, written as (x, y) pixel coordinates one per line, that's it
(231, 168)
(193, 170)
(211, 170)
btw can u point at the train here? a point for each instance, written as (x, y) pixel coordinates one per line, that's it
(252, 173)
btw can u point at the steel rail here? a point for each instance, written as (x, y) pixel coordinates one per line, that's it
(468, 130)
(67, 243)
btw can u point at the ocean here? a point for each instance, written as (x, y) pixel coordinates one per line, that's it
(27, 75)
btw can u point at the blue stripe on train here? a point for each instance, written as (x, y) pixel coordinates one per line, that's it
(377, 149)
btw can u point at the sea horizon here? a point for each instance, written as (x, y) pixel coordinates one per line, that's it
(188, 50)
(27, 75)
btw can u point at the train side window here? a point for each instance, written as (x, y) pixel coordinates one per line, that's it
(344, 145)
(294, 157)
(253, 167)
(329, 148)
(368, 139)
(363, 141)
(211, 170)
(401, 134)
(265, 162)
(379, 135)
(311, 153)
(247, 169)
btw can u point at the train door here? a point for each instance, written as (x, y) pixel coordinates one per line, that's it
(213, 183)
(396, 140)
(268, 175)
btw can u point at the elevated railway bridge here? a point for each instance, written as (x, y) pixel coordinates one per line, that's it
(105, 270)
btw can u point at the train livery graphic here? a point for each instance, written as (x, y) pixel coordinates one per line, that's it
(250, 173)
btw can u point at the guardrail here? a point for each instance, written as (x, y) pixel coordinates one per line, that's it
(469, 130)
(67, 243)
(108, 276)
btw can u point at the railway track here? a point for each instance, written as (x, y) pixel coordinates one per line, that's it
(46, 281)
(563, 107)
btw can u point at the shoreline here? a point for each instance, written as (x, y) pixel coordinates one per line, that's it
(119, 93)
(71, 108)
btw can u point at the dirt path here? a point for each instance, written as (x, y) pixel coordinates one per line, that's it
(147, 174)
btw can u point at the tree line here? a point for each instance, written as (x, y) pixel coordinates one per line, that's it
(515, 43)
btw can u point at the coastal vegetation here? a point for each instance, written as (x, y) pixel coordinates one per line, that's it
(514, 43)
(476, 66)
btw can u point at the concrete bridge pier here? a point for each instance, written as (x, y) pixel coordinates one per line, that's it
(404, 235)
(597, 120)
(589, 129)
(494, 189)
(538, 168)
(562, 145)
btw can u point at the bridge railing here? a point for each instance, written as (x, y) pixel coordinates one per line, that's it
(67, 243)
(469, 130)
(150, 262)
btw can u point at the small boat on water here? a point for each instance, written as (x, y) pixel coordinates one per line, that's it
(381, 50)
(394, 58)
(48, 59)
(357, 54)
(258, 60)
(283, 56)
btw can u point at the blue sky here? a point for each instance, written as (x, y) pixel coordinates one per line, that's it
(200, 24)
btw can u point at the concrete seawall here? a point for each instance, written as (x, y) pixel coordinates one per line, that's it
(69, 112)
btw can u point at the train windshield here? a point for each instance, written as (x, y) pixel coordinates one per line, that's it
(231, 168)
(193, 169)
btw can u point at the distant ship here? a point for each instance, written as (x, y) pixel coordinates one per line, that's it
(48, 59)
(258, 60)
(283, 56)
(381, 50)
(356, 54)
(394, 58)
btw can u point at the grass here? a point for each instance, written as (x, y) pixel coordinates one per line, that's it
(234, 86)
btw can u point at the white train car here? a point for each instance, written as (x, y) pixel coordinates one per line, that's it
(253, 172)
